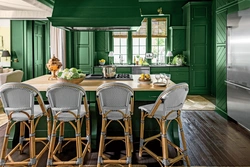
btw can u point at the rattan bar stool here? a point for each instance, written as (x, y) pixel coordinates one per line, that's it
(65, 100)
(166, 109)
(115, 102)
(19, 104)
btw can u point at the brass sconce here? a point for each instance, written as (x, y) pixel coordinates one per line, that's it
(14, 57)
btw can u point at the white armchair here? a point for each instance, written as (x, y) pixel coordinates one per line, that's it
(15, 76)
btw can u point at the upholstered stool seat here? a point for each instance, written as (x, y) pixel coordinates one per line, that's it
(166, 109)
(115, 102)
(19, 104)
(69, 104)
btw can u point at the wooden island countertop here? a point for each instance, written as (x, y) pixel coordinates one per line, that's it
(42, 83)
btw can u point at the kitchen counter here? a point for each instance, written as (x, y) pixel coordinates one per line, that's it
(42, 83)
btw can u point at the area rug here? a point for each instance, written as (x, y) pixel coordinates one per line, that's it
(197, 102)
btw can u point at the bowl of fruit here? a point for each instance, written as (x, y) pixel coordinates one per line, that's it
(145, 79)
(102, 62)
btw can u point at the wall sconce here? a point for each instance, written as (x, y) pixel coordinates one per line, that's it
(6, 54)
(159, 10)
(14, 57)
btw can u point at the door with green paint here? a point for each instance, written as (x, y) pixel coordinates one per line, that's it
(39, 48)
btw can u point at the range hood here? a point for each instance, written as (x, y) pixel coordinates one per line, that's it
(96, 15)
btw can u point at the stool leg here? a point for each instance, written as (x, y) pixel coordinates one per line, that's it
(183, 139)
(87, 118)
(128, 142)
(32, 143)
(21, 136)
(5, 143)
(102, 141)
(49, 124)
(79, 143)
(61, 135)
(131, 134)
(52, 144)
(164, 142)
(141, 133)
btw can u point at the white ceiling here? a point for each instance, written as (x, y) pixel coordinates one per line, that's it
(23, 9)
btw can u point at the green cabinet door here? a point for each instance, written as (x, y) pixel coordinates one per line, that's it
(199, 59)
(97, 70)
(198, 34)
(158, 70)
(123, 70)
(102, 41)
(84, 51)
(39, 51)
(179, 74)
(177, 39)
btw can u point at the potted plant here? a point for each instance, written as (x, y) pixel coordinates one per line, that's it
(179, 60)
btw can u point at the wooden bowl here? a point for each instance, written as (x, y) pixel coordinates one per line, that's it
(75, 81)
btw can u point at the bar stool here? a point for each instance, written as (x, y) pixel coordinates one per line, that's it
(115, 102)
(166, 109)
(19, 105)
(65, 100)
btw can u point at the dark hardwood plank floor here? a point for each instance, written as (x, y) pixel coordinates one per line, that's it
(211, 141)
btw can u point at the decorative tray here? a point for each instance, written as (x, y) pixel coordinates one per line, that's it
(161, 84)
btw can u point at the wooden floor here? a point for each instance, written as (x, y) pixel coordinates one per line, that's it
(211, 141)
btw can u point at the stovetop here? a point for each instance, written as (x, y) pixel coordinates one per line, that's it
(117, 77)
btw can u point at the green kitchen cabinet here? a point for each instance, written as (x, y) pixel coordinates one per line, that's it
(179, 74)
(123, 70)
(177, 39)
(147, 95)
(197, 17)
(158, 70)
(84, 51)
(97, 70)
(102, 41)
(231, 5)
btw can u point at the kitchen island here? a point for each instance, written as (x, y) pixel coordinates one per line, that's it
(42, 83)
(143, 94)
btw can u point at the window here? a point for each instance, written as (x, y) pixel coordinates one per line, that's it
(159, 34)
(120, 47)
(139, 41)
(145, 40)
